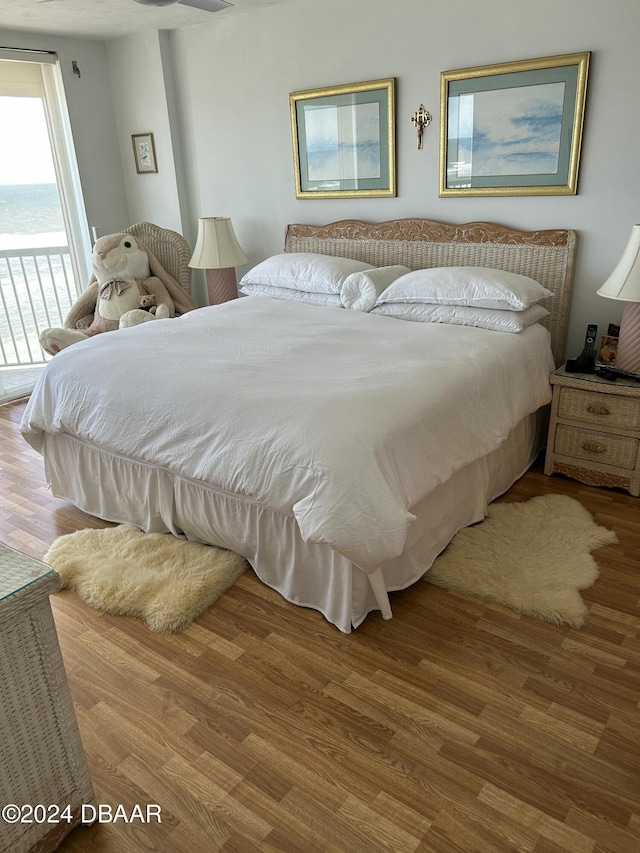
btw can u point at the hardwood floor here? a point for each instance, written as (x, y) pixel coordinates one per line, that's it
(456, 726)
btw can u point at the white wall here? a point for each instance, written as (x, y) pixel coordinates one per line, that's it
(234, 76)
(137, 71)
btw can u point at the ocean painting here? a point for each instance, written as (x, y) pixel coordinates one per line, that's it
(342, 142)
(513, 131)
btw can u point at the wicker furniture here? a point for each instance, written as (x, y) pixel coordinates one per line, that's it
(41, 758)
(169, 247)
(547, 256)
(594, 431)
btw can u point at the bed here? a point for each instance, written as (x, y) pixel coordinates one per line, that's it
(339, 451)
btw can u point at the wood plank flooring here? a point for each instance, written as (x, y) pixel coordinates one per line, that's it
(456, 727)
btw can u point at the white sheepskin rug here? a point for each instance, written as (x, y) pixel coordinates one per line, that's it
(533, 557)
(157, 577)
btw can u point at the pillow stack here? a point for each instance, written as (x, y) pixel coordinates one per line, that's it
(320, 280)
(468, 296)
(303, 276)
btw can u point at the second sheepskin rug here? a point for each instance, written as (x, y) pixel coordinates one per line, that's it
(533, 556)
(157, 577)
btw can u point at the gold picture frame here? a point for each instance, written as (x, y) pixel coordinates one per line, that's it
(344, 140)
(514, 128)
(144, 153)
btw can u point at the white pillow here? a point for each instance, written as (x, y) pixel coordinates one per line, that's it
(297, 295)
(498, 320)
(304, 271)
(361, 289)
(481, 287)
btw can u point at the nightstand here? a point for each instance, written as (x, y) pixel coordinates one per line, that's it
(594, 430)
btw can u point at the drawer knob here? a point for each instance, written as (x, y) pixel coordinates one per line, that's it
(594, 447)
(595, 409)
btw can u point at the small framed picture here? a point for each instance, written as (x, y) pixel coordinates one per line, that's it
(608, 350)
(144, 153)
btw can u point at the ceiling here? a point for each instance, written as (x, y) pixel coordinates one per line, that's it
(105, 19)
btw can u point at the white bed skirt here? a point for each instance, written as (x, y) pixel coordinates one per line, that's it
(120, 490)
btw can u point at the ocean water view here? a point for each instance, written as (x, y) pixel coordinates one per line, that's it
(30, 216)
(36, 279)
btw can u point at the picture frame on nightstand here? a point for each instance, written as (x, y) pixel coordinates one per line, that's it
(608, 350)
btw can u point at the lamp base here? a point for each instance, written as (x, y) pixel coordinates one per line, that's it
(221, 285)
(628, 354)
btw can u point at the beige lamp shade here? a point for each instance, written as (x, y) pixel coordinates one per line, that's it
(624, 281)
(217, 251)
(217, 246)
(624, 284)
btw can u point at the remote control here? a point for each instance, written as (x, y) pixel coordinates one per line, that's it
(614, 371)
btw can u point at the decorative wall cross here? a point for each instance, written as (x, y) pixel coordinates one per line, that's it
(421, 118)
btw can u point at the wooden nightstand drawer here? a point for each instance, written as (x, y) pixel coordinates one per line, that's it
(602, 447)
(601, 409)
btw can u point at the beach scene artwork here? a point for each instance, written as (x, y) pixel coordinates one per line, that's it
(503, 132)
(342, 142)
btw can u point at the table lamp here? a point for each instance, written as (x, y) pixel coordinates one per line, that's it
(624, 284)
(218, 252)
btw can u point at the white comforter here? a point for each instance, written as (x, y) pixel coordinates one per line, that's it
(343, 419)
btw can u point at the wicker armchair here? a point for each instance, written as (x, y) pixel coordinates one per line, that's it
(169, 247)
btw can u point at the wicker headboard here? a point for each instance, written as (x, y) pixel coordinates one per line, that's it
(547, 256)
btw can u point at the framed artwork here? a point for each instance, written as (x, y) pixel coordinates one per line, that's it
(514, 128)
(608, 350)
(344, 140)
(144, 152)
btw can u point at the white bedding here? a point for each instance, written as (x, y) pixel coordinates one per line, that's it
(339, 419)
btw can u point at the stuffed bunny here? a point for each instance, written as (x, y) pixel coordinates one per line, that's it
(123, 270)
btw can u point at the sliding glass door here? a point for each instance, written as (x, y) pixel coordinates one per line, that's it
(44, 240)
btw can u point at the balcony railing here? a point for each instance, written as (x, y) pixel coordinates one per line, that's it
(37, 289)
